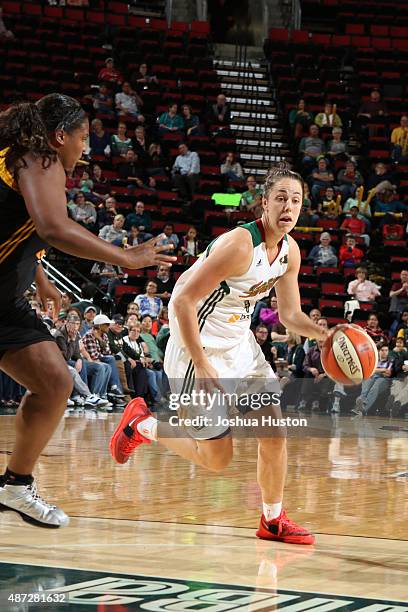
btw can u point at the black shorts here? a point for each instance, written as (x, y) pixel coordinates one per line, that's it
(20, 327)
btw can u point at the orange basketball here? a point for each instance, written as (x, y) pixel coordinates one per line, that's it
(349, 356)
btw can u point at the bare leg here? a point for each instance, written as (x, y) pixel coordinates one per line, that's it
(41, 369)
(271, 469)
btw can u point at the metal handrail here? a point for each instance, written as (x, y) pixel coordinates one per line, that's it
(61, 281)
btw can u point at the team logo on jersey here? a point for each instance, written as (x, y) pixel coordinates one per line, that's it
(236, 317)
(259, 263)
(283, 260)
(261, 287)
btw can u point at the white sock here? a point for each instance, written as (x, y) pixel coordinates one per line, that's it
(148, 428)
(272, 511)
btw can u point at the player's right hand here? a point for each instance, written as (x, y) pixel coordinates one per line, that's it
(148, 254)
(206, 378)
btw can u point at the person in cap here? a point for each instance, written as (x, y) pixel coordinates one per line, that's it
(116, 332)
(90, 313)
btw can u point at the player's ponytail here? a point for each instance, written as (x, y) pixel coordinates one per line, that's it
(25, 128)
(278, 172)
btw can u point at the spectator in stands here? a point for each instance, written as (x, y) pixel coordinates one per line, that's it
(308, 216)
(141, 219)
(350, 256)
(148, 302)
(400, 349)
(96, 342)
(86, 183)
(385, 200)
(348, 179)
(374, 330)
(393, 231)
(268, 314)
(153, 359)
(114, 233)
(168, 237)
(399, 386)
(159, 164)
(220, 112)
(186, 172)
(379, 175)
(364, 208)
(363, 289)
(310, 148)
(252, 196)
(232, 168)
(136, 364)
(101, 185)
(127, 102)
(107, 212)
(323, 254)
(140, 79)
(399, 141)
(355, 226)
(374, 107)
(374, 386)
(191, 122)
(120, 143)
(132, 309)
(99, 140)
(132, 170)
(110, 73)
(316, 384)
(118, 348)
(328, 118)
(103, 100)
(67, 297)
(140, 144)
(299, 119)
(84, 212)
(108, 277)
(336, 147)
(165, 283)
(90, 313)
(322, 177)
(5, 34)
(330, 205)
(262, 338)
(135, 236)
(190, 245)
(399, 294)
(170, 122)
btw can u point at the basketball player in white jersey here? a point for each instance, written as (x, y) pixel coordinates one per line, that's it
(210, 307)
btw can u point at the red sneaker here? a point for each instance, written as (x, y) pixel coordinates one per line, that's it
(284, 530)
(126, 436)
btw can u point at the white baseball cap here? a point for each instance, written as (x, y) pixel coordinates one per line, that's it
(101, 319)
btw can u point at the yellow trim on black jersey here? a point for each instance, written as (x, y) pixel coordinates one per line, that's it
(19, 236)
(5, 174)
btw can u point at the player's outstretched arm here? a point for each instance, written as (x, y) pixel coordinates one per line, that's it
(43, 191)
(289, 307)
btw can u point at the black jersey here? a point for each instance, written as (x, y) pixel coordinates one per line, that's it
(19, 242)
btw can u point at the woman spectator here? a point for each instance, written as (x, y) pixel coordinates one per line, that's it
(328, 118)
(349, 179)
(148, 302)
(110, 73)
(191, 122)
(170, 122)
(86, 183)
(159, 164)
(135, 366)
(322, 177)
(363, 289)
(84, 212)
(268, 315)
(114, 233)
(101, 185)
(232, 168)
(120, 143)
(252, 196)
(140, 79)
(190, 246)
(107, 212)
(400, 351)
(99, 140)
(323, 254)
(132, 309)
(375, 332)
(336, 147)
(299, 119)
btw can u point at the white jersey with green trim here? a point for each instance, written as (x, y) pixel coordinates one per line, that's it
(224, 316)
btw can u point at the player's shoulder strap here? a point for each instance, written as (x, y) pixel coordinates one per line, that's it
(252, 227)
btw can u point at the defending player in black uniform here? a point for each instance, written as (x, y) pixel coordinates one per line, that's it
(38, 142)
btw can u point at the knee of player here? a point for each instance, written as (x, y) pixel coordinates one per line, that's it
(219, 461)
(274, 444)
(57, 384)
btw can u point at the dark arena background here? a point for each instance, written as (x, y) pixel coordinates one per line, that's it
(190, 104)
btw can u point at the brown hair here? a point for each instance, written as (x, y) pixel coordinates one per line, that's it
(277, 173)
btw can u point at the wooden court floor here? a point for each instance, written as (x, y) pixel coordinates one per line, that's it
(159, 516)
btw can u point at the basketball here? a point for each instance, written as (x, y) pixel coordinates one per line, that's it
(349, 356)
